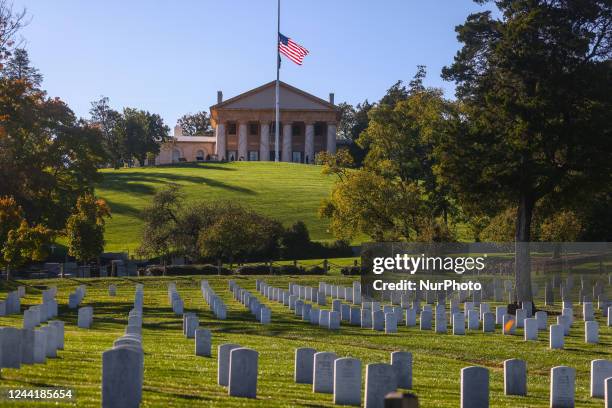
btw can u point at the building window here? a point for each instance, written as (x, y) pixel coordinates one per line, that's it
(318, 129)
(253, 155)
(232, 155)
(296, 157)
(296, 130)
(176, 155)
(231, 128)
(253, 129)
(200, 155)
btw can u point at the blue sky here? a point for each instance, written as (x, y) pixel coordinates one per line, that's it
(170, 57)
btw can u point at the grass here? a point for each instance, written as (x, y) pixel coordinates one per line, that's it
(175, 377)
(285, 191)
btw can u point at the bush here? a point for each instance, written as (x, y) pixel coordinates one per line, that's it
(351, 270)
(183, 270)
(253, 270)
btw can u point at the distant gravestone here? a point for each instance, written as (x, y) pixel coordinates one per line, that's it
(531, 329)
(243, 373)
(203, 342)
(324, 318)
(27, 346)
(425, 323)
(459, 323)
(314, 315)
(500, 311)
(223, 362)
(521, 314)
(380, 380)
(562, 387)
(355, 318)
(401, 361)
(390, 323)
(542, 318)
(441, 322)
(265, 315)
(556, 336)
(473, 320)
(474, 387)
(591, 332)
(410, 317)
(303, 368)
(347, 381)
(366, 318)
(515, 377)
(323, 372)
(85, 317)
(334, 320)
(565, 322)
(58, 325)
(600, 370)
(112, 290)
(488, 322)
(122, 377)
(191, 325)
(378, 320)
(40, 347)
(588, 312)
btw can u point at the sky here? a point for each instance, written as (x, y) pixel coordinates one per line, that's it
(171, 57)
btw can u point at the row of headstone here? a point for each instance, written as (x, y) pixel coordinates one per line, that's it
(262, 313)
(190, 324)
(29, 345)
(75, 298)
(342, 376)
(351, 294)
(237, 369)
(123, 364)
(175, 299)
(112, 290)
(475, 383)
(216, 304)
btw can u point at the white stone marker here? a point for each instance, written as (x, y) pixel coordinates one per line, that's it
(314, 315)
(441, 322)
(324, 318)
(378, 320)
(390, 323)
(588, 312)
(410, 317)
(347, 381)
(562, 387)
(474, 387)
(85, 317)
(112, 290)
(425, 323)
(303, 368)
(334, 320)
(556, 336)
(243, 373)
(521, 314)
(40, 347)
(122, 377)
(500, 311)
(223, 362)
(565, 322)
(515, 376)
(488, 322)
(600, 370)
(473, 320)
(323, 372)
(265, 315)
(459, 323)
(542, 318)
(531, 329)
(401, 361)
(27, 346)
(366, 318)
(509, 324)
(191, 325)
(608, 390)
(380, 380)
(591, 332)
(203, 342)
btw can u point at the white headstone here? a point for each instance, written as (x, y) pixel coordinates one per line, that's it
(562, 387)
(122, 377)
(474, 387)
(515, 376)
(303, 369)
(243, 373)
(380, 380)
(203, 342)
(27, 346)
(556, 336)
(591, 332)
(323, 372)
(600, 370)
(531, 329)
(390, 323)
(459, 323)
(347, 381)
(223, 362)
(401, 361)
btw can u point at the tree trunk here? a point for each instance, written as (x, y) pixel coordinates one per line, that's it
(522, 254)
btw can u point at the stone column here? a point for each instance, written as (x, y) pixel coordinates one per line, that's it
(287, 138)
(309, 143)
(264, 142)
(242, 142)
(220, 146)
(331, 138)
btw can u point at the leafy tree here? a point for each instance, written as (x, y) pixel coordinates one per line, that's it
(534, 91)
(109, 122)
(18, 68)
(296, 240)
(85, 228)
(11, 216)
(160, 222)
(142, 133)
(194, 124)
(346, 120)
(10, 24)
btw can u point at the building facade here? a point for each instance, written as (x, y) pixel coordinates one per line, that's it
(244, 129)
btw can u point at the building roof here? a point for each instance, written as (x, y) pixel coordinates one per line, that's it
(194, 139)
(262, 97)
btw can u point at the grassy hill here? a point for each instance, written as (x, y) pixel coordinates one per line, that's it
(175, 377)
(285, 191)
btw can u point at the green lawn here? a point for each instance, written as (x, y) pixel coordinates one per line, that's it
(175, 377)
(285, 191)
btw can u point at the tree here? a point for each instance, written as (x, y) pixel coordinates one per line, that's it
(535, 94)
(26, 244)
(346, 121)
(108, 121)
(18, 68)
(10, 24)
(142, 133)
(85, 228)
(194, 124)
(160, 221)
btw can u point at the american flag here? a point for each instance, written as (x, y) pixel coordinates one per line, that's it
(294, 51)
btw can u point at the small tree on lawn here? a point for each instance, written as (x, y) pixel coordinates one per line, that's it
(85, 228)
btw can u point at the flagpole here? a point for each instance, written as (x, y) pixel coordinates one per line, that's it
(277, 104)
